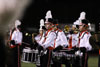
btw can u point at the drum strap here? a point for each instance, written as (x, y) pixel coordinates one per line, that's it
(56, 32)
(70, 42)
(46, 35)
(81, 36)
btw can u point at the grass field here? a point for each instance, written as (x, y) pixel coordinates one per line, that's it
(92, 62)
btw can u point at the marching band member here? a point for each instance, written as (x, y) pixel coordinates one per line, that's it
(40, 37)
(47, 41)
(49, 32)
(84, 44)
(83, 40)
(16, 40)
(72, 38)
(75, 31)
(16, 36)
(60, 42)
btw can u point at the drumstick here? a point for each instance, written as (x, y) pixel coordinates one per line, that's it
(67, 49)
(26, 43)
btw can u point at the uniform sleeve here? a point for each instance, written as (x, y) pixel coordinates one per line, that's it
(37, 38)
(41, 41)
(21, 37)
(63, 39)
(87, 44)
(13, 35)
(49, 40)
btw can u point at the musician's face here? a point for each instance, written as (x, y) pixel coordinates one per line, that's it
(48, 25)
(81, 27)
(73, 28)
(41, 32)
(55, 27)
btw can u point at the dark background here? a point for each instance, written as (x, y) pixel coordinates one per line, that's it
(66, 11)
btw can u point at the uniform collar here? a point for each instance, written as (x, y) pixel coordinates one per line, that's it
(82, 32)
(48, 31)
(17, 30)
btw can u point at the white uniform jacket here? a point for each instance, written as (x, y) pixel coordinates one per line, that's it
(84, 40)
(48, 40)
(74, 40)
(61, 39)
(17, 36)
(39, 39)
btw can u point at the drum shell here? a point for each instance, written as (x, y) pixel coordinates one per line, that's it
(29, 55)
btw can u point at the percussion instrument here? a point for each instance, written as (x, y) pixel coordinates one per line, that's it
(29, 55)
(66, 56)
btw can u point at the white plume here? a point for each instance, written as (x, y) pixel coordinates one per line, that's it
(40, 28)
(77, 22)
(82, 15)
(48, 15)
(17, 22)
(41, 22)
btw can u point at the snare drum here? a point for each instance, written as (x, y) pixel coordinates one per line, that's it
(65, 56)
(62, 57)
(29, 55)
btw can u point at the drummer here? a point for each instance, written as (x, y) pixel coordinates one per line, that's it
(84, 44)
(72, 38)
(83, 40)
(60, 42)
(16, 41)
(73, 35)
(40, 37)
(47, 42)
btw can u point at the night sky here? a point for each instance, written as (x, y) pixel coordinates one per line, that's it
(66, 11)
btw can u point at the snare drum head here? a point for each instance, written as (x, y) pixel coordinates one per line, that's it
(27, 50)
